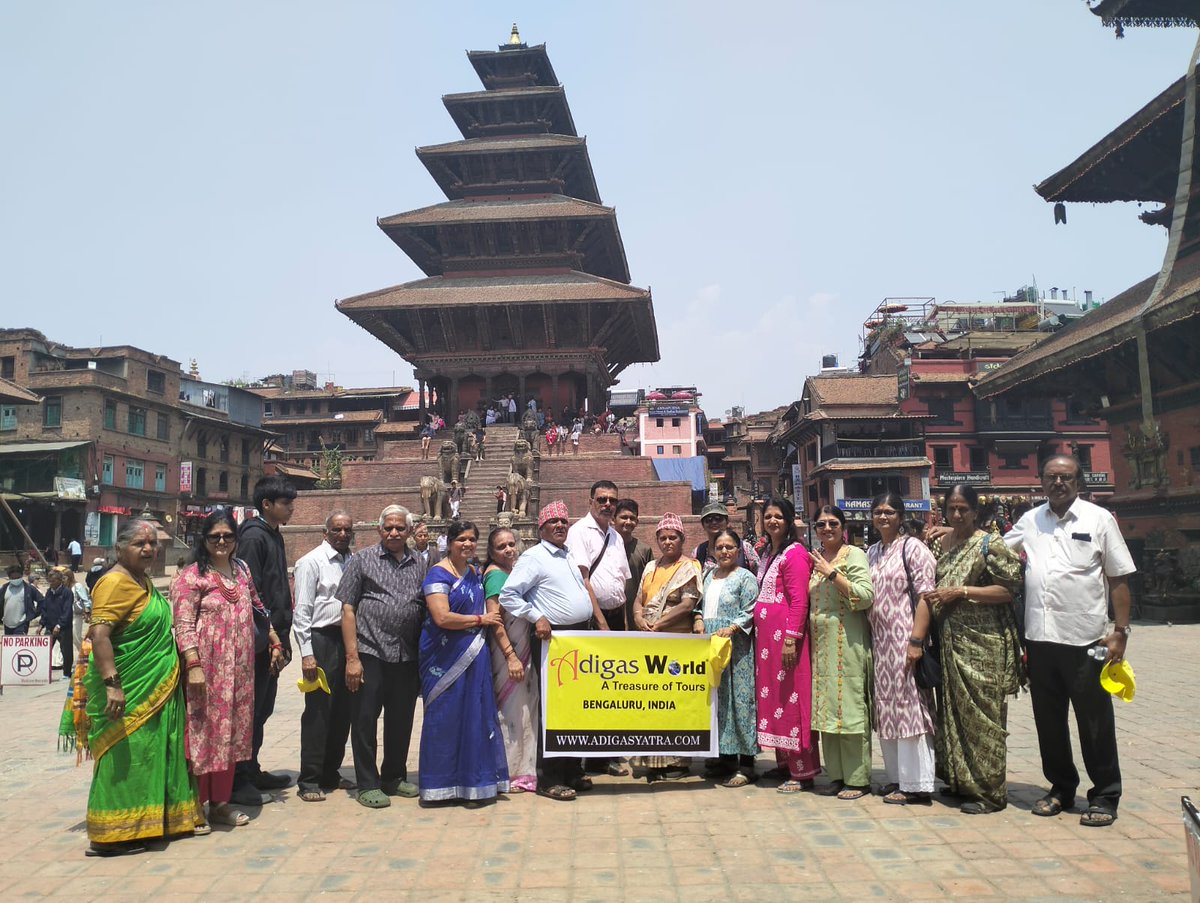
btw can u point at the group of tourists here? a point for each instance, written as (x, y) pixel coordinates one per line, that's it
(827, 649)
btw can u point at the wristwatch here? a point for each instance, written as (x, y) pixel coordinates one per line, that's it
(1127, 629)
(114, 681)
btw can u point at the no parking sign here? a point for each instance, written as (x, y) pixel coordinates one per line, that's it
(25, 661)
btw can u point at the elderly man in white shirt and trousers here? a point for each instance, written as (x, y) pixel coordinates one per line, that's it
(1076, 562)
(317, 624)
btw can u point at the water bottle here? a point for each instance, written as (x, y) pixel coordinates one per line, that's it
(1099, 653)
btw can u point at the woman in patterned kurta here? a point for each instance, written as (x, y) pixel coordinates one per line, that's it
(212, 599)
(727, 609)
(783, 671)
(981, 655)
(839, 594)
(903, 711)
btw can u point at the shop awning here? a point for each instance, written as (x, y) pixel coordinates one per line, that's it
(33, 448)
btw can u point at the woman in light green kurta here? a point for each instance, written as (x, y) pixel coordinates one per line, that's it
(981, 655)
(840, 592)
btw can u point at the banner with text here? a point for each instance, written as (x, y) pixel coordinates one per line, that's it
(623, 693)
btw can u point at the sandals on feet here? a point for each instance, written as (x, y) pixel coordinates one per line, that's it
(223, 815)
(122, 848)
(1097, 817)
(311, 795)
(899, 797)
(888, 789)
(202, 830)
(582, 785)
(737, 779)
(976, 807)
(1051, 804)
(790, 786)
(557, 792)
(853, 793)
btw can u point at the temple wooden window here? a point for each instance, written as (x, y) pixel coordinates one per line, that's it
(1084, 454)
(977, 458)
(943, 457)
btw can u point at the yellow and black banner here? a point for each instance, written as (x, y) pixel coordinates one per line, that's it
(620, 693)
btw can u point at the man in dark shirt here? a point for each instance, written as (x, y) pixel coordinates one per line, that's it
(260, 545)
(57, 613)
(382, 613)
(638, 553)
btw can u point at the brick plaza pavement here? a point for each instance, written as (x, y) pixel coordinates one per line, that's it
(627, 840)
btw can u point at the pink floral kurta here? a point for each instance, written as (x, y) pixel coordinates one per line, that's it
(785, 694)
(219, 730)
(901, 708)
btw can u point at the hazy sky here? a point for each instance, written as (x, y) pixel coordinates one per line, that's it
(202, 180)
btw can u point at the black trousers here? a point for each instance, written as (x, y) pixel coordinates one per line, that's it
(67, 647)
(266, 685)
(615, 618)
(325, 724)
(557, 770)
(1065, 675)
(391, 688)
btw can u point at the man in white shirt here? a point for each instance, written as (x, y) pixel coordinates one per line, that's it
(75, 550)
(317, 623)
(547, 590)
(596, 548)
(1077, 562)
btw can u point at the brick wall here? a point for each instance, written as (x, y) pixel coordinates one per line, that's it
(569, 469)
(381, 474)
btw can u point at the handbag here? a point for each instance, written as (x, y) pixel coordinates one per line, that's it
(927, 672)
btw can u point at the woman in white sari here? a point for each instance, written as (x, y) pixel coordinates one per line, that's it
(513, 675)
(666, 603)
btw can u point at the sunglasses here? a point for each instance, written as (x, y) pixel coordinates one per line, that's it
(605, 500)
(827, 524)
(218, 538)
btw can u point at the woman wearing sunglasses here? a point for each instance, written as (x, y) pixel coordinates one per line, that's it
(840, 593)
(213, 599)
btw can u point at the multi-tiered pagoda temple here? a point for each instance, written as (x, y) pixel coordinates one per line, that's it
(528, 287)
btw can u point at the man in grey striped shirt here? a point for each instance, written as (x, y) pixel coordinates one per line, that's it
(382, 613)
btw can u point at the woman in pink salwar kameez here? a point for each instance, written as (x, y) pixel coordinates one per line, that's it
(783, 669)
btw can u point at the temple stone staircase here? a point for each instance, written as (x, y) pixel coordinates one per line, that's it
(479, 504)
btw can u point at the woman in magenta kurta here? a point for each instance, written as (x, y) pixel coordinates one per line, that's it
(213, 600)
(783, 669)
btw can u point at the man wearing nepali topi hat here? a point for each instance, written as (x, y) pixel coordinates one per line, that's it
(547, 590)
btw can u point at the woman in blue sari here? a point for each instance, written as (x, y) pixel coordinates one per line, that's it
(462, 749)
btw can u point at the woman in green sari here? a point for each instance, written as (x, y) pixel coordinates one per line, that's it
(141, 788)
(981, 655)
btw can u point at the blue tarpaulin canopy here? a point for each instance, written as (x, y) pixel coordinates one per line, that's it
(683, 470)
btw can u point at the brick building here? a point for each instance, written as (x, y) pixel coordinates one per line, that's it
(309, 418)
(107, 440)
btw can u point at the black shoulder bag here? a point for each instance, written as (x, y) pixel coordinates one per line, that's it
(927, 672)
